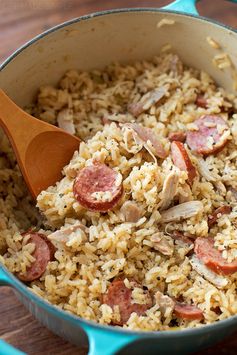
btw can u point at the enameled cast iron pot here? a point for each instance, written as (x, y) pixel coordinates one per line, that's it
(94, 41)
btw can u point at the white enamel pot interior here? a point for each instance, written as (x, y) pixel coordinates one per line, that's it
(123, 36)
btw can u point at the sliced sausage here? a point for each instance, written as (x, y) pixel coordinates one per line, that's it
(146, 134)
(201, 101)
(178, 136)
(211, 135)
(28, 231)
(120, 295)
(205, 250)
(98, 187)
(51, 247)
(186, 311)
(43, 253)
(181, 159)
(217, 214)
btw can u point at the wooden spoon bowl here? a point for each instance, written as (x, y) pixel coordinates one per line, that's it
(42, 150)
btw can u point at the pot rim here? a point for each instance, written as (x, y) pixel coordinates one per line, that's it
(103, 13)
(20, 286)
(14, 282)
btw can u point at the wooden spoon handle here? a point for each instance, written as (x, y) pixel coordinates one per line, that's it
(19, 126)
(42, 150)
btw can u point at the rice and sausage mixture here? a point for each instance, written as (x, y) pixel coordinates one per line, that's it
(141, 230)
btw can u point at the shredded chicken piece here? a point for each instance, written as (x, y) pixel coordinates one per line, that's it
(135, 108)
(150, 150)
(169, 190)
(204, 170)
(62, 235)
(147, 101)
(65, 121)
(233, 192)
(150, 139)
(163, 244)
(131, 211)
(217, 280)
(220, 187)
(181, 241)
(153, 97)
(165, 303)
(129, 134)
(182, 211)
(143, 137)
(186, 194)
(117, 117)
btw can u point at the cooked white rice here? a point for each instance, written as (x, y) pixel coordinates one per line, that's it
(87, 261)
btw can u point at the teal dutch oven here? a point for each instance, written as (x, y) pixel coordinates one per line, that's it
(93, 41)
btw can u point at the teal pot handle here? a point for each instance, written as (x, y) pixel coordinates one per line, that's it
(106, 341)
(102, 341)
(187, 6)
(6, 349)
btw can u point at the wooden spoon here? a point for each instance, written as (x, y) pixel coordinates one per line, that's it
(41, 149)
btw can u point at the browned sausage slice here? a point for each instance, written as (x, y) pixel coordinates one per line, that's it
(178, 136)
(217, 214)
(211, 135)
(97, 187)
(51, 247)
(186, 311)
(212, 258)
(182, 161)
(43, 253)
(119, 295)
